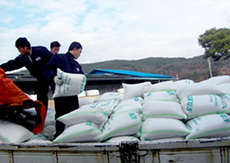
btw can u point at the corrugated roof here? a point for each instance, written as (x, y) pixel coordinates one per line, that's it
(126, 72)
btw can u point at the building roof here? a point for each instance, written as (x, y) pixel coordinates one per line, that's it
(126, 73)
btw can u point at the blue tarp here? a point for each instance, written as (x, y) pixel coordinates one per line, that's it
(126, 72)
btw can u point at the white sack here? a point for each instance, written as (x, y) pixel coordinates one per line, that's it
(119, 139)
(168, 140)
(82, 132)
(49, 131)
(120, 90)
(226, 99)
(96, 115)
(198, 89)
(207, 126)
(162, 96)
(86, 100)
(121, 125)
(183, 82)
(225, 87)
(107, 106)
(162, 109)
(158, 128)
(13, 133)
(135, 100)
(38, 139)
(50, 117)
(195, 106)
(82, 94)
(73, 84)
(92, 92)
(109, 96)
(135, 90)
(162, 86)
(131, 108)
(216, 80)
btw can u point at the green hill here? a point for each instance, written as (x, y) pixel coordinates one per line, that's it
(194, 68)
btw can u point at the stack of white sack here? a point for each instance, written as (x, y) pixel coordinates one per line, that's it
(49, 125)
(205, 108)
(126, 124)
(149, 112)
(162, 113)
(125, 119)
(85, 123)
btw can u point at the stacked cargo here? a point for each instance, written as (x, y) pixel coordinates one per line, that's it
(162, 113)
(146, 112)
(181, 109)
(205, 108)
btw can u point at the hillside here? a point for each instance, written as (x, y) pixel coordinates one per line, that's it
(194, 68)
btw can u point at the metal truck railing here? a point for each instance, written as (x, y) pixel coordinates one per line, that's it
(214, 150)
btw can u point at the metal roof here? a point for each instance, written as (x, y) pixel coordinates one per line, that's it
(126, 72)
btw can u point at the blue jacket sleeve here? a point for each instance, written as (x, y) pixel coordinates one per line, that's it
(52, 66)
(12, 64)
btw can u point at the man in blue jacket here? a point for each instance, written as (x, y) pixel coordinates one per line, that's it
(67, 63)
(35, 59)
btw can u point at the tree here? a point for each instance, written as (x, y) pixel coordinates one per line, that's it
(216, 43)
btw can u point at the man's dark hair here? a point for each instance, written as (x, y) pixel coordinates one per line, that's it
(22, 42)
(75, 44)
(54, 43)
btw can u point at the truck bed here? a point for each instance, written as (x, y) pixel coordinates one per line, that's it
(214, 150)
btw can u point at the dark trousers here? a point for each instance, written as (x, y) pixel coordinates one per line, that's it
(64, 105)
(42, 92)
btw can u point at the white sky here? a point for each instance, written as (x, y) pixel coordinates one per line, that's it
(112, 29)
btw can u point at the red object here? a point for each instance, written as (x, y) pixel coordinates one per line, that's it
(11, 95)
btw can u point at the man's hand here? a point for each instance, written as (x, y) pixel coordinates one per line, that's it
(57, 80)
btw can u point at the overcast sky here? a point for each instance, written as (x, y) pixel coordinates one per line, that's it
(112, 29)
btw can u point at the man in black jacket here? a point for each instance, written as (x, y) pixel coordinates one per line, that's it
(35, 59)
(67, 63)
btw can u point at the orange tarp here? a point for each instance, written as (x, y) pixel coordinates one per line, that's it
(11, 95)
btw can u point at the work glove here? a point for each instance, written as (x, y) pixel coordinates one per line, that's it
(58, 80)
